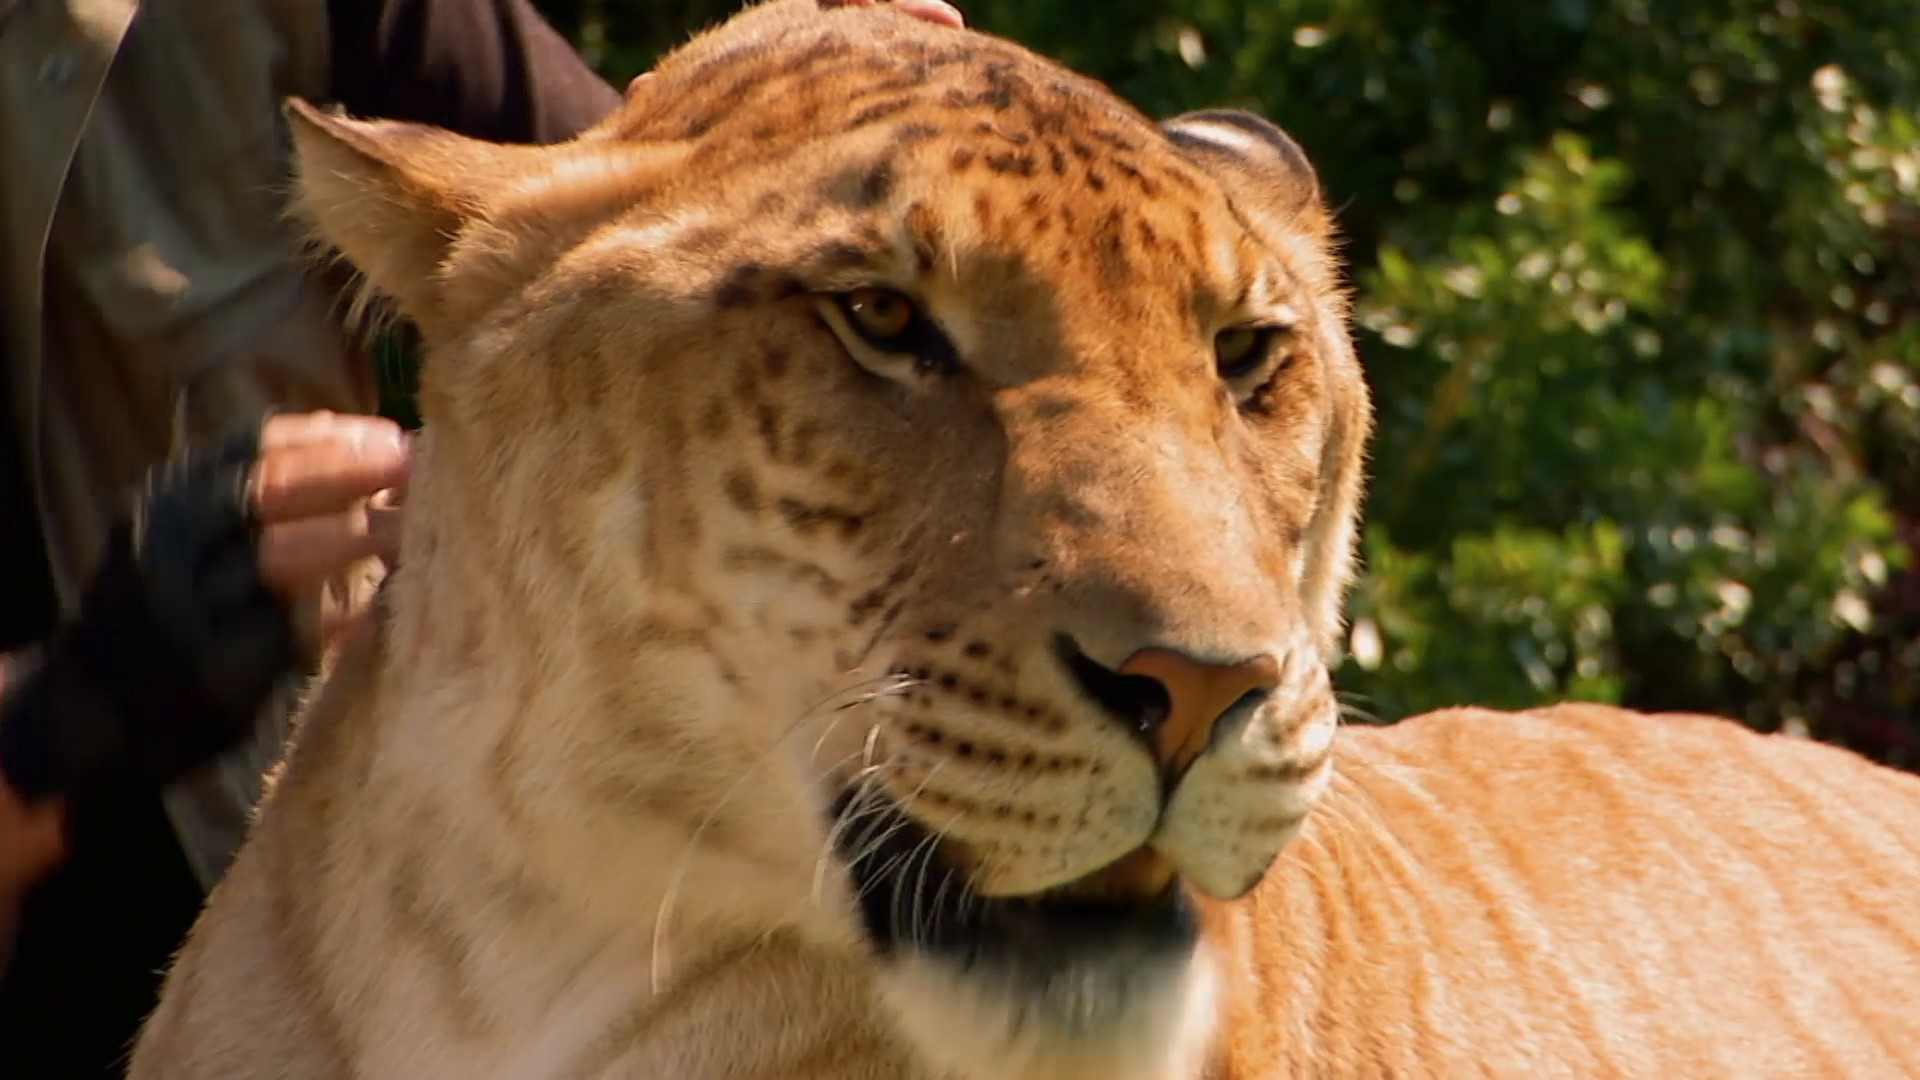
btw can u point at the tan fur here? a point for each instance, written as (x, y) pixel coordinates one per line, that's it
(685, 563)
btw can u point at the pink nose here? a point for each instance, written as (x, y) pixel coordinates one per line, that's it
(1198, 695)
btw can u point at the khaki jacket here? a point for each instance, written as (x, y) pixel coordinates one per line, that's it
(150, 288)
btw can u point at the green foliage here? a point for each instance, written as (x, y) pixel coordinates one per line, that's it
(1640, 306)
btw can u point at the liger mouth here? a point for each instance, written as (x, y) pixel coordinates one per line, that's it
(914, 898)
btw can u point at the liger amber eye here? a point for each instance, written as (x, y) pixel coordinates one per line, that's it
(881, 316)
(1239, 352)
(881, 327)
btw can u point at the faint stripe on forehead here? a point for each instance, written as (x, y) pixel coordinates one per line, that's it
(655, 235)
(1224, 253)
(571, 174)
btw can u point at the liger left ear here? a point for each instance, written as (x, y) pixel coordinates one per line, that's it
(392, 197)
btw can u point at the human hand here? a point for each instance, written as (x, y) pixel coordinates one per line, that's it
(186, 628)
(326, 491)
(933, 11)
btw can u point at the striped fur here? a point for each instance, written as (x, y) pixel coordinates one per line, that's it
(1585, 892)
(718, 722)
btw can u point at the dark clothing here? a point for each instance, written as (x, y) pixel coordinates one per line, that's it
(491, 69)
(93, 939)
(93, 942)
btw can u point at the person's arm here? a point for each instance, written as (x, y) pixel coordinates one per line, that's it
(183, 632)
(490, 69)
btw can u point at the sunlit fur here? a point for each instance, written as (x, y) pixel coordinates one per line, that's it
(1584, 892)
(686, 568)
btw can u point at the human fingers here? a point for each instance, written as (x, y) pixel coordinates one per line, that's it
(298, 554)
(310, 466)
(933, 11)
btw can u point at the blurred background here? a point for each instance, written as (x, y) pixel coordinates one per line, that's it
(1639, 302)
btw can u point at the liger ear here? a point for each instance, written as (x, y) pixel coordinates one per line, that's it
(1267, 177)
(392, 198)
(1264, 170)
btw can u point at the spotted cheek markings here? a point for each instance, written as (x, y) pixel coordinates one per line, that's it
(1022, 797)
(1241, 804)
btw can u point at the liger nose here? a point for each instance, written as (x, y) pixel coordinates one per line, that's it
(1199, 694)
(1173, 699)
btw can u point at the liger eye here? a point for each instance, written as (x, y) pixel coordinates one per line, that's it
(1241, 351)
(883, 328)
(881, 316)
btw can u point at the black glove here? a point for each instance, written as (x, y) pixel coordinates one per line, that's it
(177, 646)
